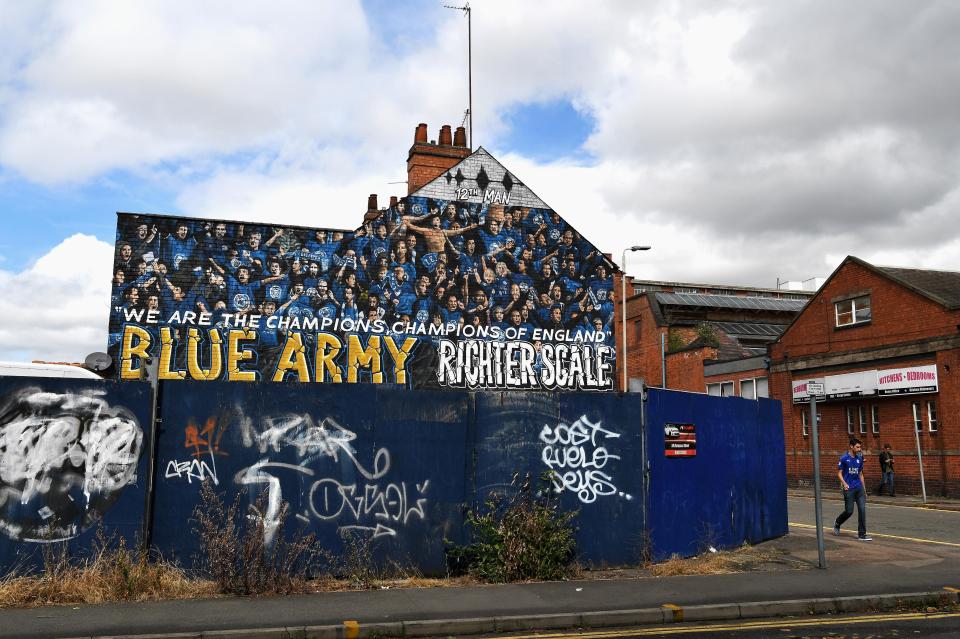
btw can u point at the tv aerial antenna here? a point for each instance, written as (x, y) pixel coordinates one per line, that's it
(469, 114)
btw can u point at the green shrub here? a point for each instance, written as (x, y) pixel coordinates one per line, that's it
(522, 537)
(708, 334)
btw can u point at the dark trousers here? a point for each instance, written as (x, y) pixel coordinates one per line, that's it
(850, 497)
(886, 479)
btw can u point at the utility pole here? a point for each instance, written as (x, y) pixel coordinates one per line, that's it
(813, 389)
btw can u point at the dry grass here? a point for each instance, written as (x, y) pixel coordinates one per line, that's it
(237, 554)
(721, 562)
(109, 575)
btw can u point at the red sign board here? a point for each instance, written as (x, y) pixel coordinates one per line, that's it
(679, 440)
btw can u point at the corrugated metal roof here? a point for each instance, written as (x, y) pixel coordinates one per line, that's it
(745, 329)
(730, 301)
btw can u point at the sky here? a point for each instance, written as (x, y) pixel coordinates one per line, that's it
(746, 142)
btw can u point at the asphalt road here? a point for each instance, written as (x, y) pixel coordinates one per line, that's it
(896, 521)
(943, 625)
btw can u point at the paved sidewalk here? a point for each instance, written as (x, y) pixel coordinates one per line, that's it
(855, 569)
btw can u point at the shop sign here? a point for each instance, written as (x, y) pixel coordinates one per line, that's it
(907, 381)
(851, 385)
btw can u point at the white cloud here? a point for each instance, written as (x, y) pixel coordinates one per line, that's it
(57, 309)
(744, 140)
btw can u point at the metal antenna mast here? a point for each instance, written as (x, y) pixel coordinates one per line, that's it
(466, 9)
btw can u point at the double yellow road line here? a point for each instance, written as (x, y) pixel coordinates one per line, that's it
(659, 631)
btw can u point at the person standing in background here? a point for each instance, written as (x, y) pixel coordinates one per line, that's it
(886, 471)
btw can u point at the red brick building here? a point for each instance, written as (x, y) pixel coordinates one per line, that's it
(705, 338)
(885, 342)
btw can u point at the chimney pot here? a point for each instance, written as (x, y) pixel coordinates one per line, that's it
(421, 133)
(445, 137)
(460, 136)
(427, 161)
(372, 202)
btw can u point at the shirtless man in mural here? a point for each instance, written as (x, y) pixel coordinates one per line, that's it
(435, 236)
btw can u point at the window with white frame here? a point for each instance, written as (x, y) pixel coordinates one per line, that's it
(932, 416)
(850, 420)
(720, 389)
(762, 388)
(875, 414)
(853, 311)
(754, 388)
(863, 420)
(805, 421)
(917, 417)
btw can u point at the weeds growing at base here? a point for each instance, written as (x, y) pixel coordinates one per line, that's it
(112, 572)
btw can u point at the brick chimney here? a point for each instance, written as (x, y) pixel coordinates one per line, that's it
(429, 160)
(372, 212)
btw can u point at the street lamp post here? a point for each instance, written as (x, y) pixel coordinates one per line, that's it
(623, 302)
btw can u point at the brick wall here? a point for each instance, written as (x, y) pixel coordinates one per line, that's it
(898, 316)
(643, 345)
(685, 369)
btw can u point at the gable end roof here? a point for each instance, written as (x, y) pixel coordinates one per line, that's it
(942, 287)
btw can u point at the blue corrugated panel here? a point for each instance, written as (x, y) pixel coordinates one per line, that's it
(380, 462)
(591, 442)
(733, 490)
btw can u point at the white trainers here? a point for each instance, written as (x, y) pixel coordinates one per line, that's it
(836, 530)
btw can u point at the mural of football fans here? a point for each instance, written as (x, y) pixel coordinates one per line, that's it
(423, 294)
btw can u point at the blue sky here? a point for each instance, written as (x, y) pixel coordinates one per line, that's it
(39, 217)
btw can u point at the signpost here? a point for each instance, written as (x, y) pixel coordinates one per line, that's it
(814, 389)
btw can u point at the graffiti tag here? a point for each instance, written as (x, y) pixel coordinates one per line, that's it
(575, 460)
(66, 459)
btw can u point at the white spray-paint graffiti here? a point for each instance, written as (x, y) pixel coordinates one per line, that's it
(331, 500)
(192, 470)
(375, 506)
(575, 460)
(64, 460)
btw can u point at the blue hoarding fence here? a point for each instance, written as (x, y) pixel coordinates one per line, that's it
(398, 466)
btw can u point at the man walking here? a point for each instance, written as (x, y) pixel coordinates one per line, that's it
(850, 473)
(886, 471)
